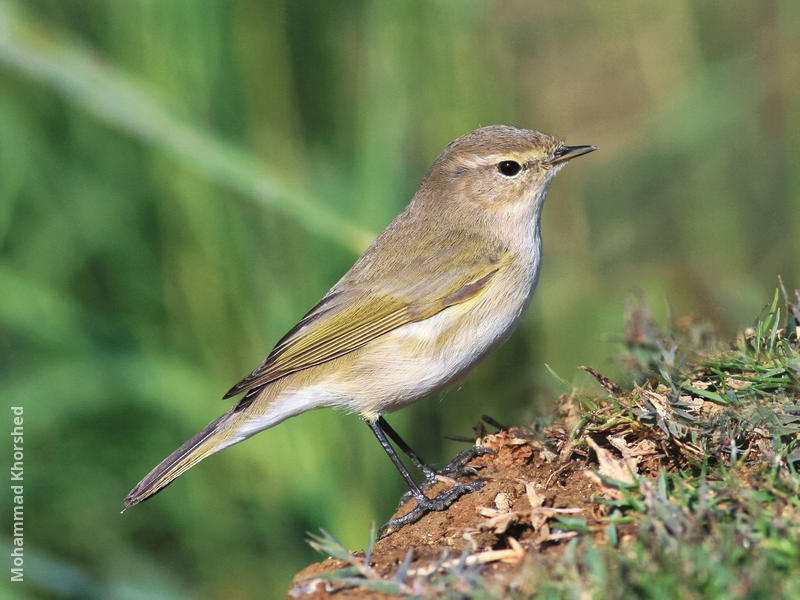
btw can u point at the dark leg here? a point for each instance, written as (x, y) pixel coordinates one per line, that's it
(455, 468)
(424, 504)
(376, 429)
(418, 462)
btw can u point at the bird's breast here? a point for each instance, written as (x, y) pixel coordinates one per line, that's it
(420, 358)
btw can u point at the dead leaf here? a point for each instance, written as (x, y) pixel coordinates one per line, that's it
(611, 466)
(534, 497)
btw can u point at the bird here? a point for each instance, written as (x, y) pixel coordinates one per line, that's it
(444, 285)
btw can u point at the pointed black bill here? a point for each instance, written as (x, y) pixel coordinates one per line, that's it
(566, 153)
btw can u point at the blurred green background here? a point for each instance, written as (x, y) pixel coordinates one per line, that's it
(180, 181)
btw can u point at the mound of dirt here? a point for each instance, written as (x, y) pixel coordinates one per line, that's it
(535, 493)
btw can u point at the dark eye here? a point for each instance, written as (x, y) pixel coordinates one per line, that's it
(509, 168)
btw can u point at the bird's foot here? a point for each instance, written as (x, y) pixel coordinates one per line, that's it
(426, 505)
(458, 466)
(450, 472)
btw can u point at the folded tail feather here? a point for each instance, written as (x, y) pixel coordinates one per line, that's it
(208, 441)
(244, 420)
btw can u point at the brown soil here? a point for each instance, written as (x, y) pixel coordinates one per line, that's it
(510, 521)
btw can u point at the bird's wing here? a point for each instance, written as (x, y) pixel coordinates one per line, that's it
(342, 322)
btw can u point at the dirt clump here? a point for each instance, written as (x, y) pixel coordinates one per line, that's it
(536, 496)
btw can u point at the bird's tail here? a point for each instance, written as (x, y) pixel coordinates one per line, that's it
(214, 437)
(259, 409)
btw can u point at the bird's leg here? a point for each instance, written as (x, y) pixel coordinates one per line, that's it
(424, 504)
(376, 429)
(455, 468)
(430, 473)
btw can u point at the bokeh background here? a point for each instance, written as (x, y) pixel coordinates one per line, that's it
(180, 181)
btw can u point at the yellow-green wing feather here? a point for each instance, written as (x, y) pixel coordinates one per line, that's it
(344, 321)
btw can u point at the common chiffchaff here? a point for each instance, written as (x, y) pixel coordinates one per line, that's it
(444, 284)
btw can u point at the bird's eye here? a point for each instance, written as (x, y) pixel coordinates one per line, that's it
(509, 168)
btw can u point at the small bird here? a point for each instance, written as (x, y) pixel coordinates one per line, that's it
(444, 285)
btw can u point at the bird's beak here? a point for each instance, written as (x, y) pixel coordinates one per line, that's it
(566, 153)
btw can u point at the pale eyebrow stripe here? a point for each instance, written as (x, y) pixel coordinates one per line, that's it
(475, 160)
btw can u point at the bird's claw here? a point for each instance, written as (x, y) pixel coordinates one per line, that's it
(458, 467)
(426, 505)
(450, 472)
